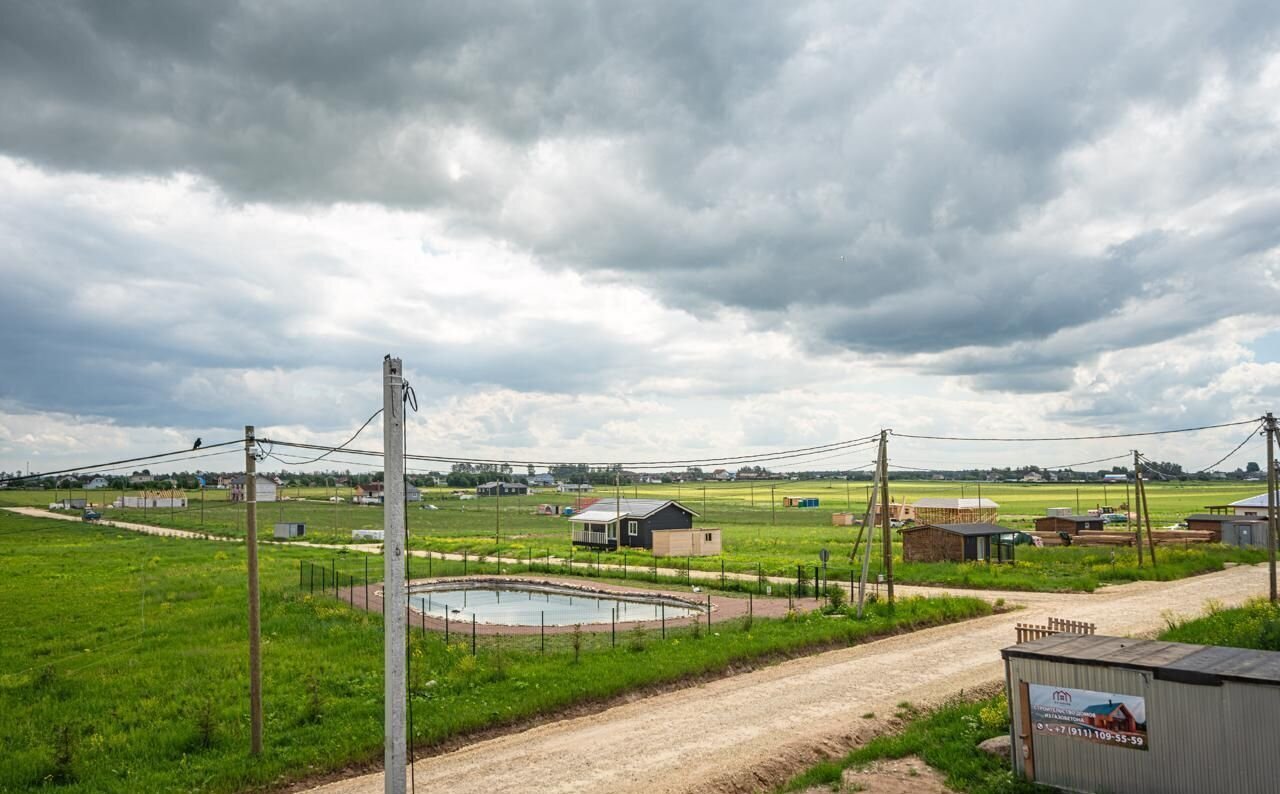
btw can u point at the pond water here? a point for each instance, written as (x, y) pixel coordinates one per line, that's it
(503, 606)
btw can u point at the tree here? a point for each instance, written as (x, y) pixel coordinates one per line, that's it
(1252, 467)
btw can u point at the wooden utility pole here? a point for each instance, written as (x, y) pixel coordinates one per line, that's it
(773, 506)
(868, 523)
(887, 532)
(255, 627)
(1272, 525)
(1128, 511)
(1141, 495)
(394, 596)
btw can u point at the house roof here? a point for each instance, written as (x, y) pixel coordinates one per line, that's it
(495, 484)
(1224, 517)
(1077, 519)
(1254, 501)
(1104, 708)
(954, 503)
(607, 510)
(1169, 661)
(968, 530)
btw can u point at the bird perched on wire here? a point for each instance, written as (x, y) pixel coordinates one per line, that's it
(196, 445)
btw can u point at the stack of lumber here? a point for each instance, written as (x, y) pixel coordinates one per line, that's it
(1175, 536)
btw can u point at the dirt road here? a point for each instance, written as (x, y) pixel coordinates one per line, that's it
(750, 731)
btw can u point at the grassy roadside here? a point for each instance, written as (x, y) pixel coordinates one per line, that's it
(125, 664)
(1255, 625)
(945, 739)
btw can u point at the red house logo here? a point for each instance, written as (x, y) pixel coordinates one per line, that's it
(1062, 696)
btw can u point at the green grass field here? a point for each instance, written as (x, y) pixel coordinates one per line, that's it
(1255, 625)
(759, 534)
(125, 664)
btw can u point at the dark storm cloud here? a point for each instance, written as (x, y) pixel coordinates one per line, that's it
(859, 175)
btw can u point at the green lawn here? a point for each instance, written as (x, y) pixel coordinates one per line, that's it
(758, 537)
(125, 660)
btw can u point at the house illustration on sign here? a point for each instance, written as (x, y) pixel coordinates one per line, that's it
(1110, 716)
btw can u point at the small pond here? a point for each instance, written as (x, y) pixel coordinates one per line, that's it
(514, 604)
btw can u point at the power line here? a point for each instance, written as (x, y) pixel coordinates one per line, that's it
(766, 457)
(1075, 438)
(344, 444)
(1152, 468)
(117, 463)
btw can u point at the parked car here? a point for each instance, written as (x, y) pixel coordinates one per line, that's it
(1114, 518)
(90, 515)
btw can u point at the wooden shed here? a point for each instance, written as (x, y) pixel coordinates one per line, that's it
(700, 542)
(1072, 525)
(956, 543)
(898, 511)
(845, 519)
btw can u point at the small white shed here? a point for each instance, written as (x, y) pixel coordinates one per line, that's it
(289, 529)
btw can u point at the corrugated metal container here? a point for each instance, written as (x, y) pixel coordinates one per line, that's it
(1128, 716)
(1058, 512)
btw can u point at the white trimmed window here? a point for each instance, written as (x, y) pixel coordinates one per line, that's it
(633, 528)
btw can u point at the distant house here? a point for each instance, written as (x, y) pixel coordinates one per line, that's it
(956, 543)
(146, 499)
(950, 510)
(721, 474)
(1253, 506)
(1115, 478)
(140, 479)
(96, 483)
(266, 489)
(610, 523)
(368, 494)
(1070, 524)
(574, 487)
(1033, 476)
(496, 488)
(544, 480)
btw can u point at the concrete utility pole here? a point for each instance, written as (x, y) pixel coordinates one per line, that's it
(394, 595)
(255, 628)
(884, 514)
(1272, 522)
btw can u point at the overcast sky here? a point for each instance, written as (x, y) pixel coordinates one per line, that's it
(635, 231)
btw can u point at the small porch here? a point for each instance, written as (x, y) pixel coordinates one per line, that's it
(599, 536)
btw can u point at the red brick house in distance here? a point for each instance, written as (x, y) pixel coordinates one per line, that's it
(956, 543)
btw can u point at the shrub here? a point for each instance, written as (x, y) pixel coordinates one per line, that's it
(313, 705)
(636, 643)
(835, 597)
(576, 640)
(695, 626)
(205, 717)
(64, 750)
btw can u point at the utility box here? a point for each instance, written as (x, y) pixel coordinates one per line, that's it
(367, 534)
(1128, 716)
(1245, 533)
(287, 530)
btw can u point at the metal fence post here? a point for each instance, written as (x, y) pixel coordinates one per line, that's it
(464, 562)
(473, 634)
(664, 621)
(816, 583)
(613, 627)
(300, 567)
(446, 625)
(311, 574)
(722, 573)
(708, 611)
(542, 622)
